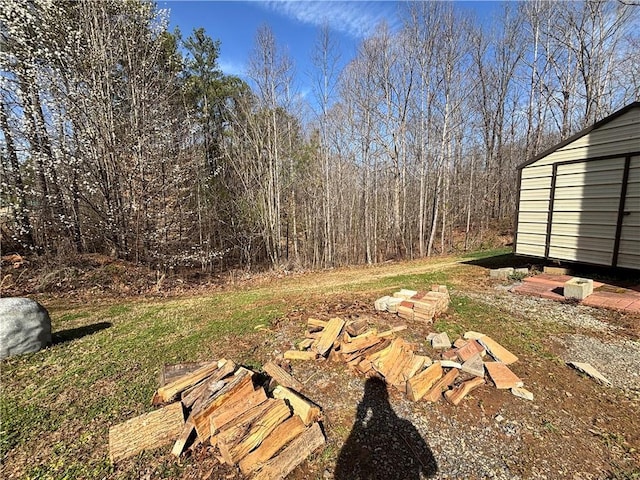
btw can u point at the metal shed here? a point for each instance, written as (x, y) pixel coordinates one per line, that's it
(580, 200)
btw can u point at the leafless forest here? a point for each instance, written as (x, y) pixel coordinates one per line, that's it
(122, 138)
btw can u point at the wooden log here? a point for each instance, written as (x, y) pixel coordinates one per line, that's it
(305, 344)
(396, 374)
(357, 327)
(381, 353)
(210, 386)
(456, 395)
(416, 364)
(235, 406)
(281, 376)
(281, 435)
(329, 335)
(364, 366)
(418, 386)
(300, 355)
(360, 343)
(371, 352)
(236, 443)
(393, 362)
(306, 410)
(392, 331)
(145, 432)
(242, 381)
(293, 455)
(169, 391)
(435, 393)
(187, 435)
(170, 373)
(313, 335)
(315, 325)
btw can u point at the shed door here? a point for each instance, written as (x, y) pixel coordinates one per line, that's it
(629, 248)
(586, 200)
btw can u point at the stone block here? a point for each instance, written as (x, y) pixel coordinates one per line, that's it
(578, 288)
(502, 376)
(521, 271)
(474, 366)
(25, 326)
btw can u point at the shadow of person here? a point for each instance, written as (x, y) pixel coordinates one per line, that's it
(381, 445)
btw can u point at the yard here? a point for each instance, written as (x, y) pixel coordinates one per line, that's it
(57, 405)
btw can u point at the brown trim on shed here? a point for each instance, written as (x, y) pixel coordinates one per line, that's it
(552, 198)
(621, 207)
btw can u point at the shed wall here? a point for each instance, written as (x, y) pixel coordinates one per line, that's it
(584, 197)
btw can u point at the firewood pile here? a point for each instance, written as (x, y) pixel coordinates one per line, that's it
(413, 305)
(453, 370)
(262, 425)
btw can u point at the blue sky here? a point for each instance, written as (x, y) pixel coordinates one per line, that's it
(295, 25)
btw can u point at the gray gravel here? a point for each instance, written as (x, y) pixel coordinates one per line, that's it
(617, 360)
(574, 315)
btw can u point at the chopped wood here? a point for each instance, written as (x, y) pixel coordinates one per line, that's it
(357, 327)
(281, 376)
(329, 335)
(293, 455)
(315, 325)
(392, 331)
(372, 352)
(281, 435)
(305, 344)
(145, 432)
(456, 395)
(364, 366)
(236, 443)
(300, 355)
(397, 375)
(419, 385)
(435, 393)
(381, 353)
(234, 407)
(497, 351)
(360, 343)
(169, 391)
(242, 379)
(169, 373)
(313, 335)
(306, 410)
(187, 436)
(396, 354)
(209, 386)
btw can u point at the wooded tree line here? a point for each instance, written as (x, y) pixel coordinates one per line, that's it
(123, 138)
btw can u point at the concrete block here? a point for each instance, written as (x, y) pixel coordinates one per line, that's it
(501, 273)
(578, 288)
(521, 271)
(441, 341)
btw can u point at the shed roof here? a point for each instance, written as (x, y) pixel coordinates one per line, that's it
(581, 133)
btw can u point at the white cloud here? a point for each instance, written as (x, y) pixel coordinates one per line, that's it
(356, 18)
(232, 67)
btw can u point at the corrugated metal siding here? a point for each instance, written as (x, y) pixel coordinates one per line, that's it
(629, 252)
(621, 135)
(585, 210)
(533, 211)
